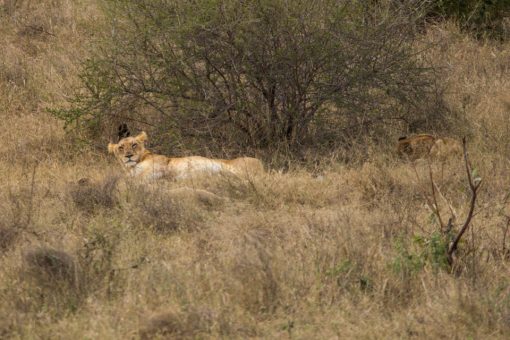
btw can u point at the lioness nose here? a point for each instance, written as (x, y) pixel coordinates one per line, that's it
(129, 156)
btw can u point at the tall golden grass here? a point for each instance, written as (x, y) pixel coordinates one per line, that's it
(351, 253)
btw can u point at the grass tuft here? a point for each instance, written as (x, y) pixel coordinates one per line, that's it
(89, 196)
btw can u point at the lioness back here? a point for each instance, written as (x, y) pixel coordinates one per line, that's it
(245, 165)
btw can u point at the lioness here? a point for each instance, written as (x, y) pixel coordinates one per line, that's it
(140, 162)
(425, 145)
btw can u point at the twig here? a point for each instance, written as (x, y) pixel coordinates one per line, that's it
(505, 232)
(436, 206)
(135, 265)
(450, 207)
(429, 203)
(433, 205)
(31, 200)
(474, 190)
(37, 29)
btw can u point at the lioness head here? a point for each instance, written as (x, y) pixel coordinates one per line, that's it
(129, 150)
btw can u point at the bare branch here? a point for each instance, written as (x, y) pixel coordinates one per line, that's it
(474, 191)
(436, 206)
(450, 207)
(433, 204)
(429, 202)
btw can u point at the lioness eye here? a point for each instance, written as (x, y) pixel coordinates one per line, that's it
(121, 148)
(134, 145)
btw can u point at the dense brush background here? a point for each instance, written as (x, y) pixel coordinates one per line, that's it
(340, 244)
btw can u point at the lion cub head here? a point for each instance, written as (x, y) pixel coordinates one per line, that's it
(414, 147)
(129, 150)
(446, 147)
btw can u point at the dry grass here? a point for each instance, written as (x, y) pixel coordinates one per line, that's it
(89, 196)
(351, 253)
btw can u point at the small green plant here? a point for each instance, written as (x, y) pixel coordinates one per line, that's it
(433, 250)
(406, 261)
(423, 251)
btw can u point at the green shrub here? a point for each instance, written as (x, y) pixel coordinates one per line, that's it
(267, 74)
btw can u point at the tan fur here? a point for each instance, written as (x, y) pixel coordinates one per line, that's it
(427, 146)
(444, 147)
(140, 162)
(415, 147)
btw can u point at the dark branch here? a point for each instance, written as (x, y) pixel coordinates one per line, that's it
(474, 191)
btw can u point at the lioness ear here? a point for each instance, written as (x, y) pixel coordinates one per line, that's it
(111, 147)
(142, 137)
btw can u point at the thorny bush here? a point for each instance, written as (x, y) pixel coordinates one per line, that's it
(266, 74)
